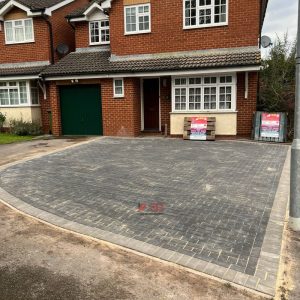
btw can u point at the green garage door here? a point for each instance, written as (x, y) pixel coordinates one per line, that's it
(81, 112)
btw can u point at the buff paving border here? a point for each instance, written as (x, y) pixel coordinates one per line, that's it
(265, 277)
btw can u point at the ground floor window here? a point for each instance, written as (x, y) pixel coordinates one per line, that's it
(204, 93)
(118, 88)
(19, 93)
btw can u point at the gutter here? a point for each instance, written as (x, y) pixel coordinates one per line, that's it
(69, 22)
(110, 74)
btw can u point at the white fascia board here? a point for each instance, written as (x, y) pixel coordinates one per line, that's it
(91, 8)
(51, 9)
(86, 13)
(78, 19)
(33, 14)
(18, 78)
(158, 74)
(48, 11)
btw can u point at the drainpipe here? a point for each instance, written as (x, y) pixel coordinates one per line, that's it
(69, 22)
(46, 18)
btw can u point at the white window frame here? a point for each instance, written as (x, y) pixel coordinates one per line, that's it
(100, 29)
(218, 85)
(28, 93)
(14, 35)
(212, 24)
(137, 15)
(122, 94)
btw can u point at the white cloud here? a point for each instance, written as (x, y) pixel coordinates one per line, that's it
(281, 17)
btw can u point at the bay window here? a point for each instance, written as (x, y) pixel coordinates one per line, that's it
(204, 93)
(19, 31)
(205, 13)
(137, 19)
(99, 32)
(18, 93)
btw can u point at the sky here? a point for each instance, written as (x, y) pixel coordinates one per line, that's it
(281, 17)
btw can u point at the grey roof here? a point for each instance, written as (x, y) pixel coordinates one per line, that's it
(35, 4)
(79, 11)
(21, 71)
(100, 62)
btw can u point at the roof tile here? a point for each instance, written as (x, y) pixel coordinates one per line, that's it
(100, 62)
(21, 71)
(35, 4)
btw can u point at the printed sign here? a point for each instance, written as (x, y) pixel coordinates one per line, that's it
(154, 208)
(270, 125)
(198, 129)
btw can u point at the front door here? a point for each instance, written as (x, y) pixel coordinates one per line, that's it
(151, 104)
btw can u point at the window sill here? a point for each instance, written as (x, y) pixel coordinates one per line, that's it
(135, 33)
(18, 43)
(203, 112)
(119, 97)
(20, 106)
(99, 44)
(205, 26)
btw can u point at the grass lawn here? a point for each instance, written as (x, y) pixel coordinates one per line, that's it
(6, 138)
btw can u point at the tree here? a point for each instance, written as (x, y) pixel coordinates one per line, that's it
(277, 80)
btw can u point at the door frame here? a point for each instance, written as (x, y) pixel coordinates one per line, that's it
(142, 102)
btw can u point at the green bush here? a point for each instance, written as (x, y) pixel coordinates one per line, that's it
(2, 119)
(23, 128)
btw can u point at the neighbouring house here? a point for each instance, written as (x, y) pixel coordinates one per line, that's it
(31, 32)
(144, 65)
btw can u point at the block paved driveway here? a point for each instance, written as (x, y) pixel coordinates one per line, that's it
(217, 195)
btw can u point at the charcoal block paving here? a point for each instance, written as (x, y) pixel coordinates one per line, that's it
(206, 200)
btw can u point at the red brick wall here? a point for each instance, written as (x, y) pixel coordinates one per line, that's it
(165, 102)
(45, 107)
(40, 49)
(37, 51)
(53, 99)
(121, 116)
(62, 31)
(246, 107)
(167, 33)
(82, 34)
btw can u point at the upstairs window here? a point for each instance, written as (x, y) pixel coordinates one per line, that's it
(205, 13)
(19, 31)
(137, 19)
(99, 32)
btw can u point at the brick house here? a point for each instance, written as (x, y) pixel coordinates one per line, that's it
(142, 65)
(30, 32)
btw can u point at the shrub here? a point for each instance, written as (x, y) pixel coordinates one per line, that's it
(20, 127)
(2, 119)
